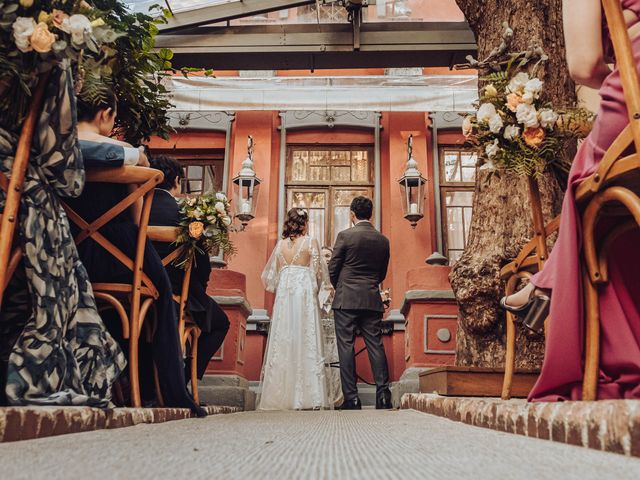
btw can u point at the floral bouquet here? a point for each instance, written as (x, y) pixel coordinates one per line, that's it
(386, 297)
(205, 227)
(514, 127)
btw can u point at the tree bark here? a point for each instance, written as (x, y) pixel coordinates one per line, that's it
(501, 222)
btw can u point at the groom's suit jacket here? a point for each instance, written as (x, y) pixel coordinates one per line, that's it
(358, 266)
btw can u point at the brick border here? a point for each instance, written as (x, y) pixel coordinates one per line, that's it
(27, 423)
(607, 425)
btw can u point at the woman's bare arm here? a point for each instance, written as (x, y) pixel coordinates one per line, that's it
(582, 21)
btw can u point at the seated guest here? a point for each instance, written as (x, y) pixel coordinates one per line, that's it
(95, 124)
(205, 311)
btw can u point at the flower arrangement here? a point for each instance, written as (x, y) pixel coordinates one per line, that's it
(514, 128)
(205, 228)
(108, 46)
(386, 297)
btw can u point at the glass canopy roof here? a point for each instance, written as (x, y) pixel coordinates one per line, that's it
(330, 12)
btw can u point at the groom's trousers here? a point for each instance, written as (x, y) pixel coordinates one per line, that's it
(368, 322)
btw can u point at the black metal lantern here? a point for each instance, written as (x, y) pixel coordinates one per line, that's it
(412, 187)
(246, 186)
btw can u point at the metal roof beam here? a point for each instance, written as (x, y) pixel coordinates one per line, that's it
(227, 11)
(302, 47)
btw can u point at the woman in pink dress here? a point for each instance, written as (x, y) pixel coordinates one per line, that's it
(588, 45)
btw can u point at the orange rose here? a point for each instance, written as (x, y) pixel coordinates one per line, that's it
(196, 229)
(42, 38)
(533, 136)
(513, 100)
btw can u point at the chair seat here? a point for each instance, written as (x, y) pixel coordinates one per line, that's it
(624, 173)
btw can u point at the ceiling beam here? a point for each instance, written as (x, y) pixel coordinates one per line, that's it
(386, 44)
(227, 11)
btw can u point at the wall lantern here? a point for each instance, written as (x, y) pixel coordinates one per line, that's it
(246, 186)
(412, 187)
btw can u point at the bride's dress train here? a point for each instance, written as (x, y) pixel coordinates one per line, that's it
(294, 374)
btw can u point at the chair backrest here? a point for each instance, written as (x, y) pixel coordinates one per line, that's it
(169, 235)
(146, 179)
(626, 64)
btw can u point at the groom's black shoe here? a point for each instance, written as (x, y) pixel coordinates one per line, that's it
(353, 404)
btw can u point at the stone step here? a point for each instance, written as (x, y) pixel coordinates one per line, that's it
(366, 392)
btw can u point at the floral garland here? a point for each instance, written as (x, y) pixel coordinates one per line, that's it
(514, 128)
(205, 228)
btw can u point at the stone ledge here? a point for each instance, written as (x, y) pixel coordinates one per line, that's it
(26, 423)
(608, 425)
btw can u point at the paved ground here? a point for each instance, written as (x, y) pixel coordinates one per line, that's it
(307, 445)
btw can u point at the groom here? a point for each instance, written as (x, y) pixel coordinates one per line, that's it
(357, 267)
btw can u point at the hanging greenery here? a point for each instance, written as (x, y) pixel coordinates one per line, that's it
(109, 47)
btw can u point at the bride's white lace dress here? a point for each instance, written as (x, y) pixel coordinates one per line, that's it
(294, 375)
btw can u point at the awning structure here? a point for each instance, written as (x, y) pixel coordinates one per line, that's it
(436, 93)
(311, 34)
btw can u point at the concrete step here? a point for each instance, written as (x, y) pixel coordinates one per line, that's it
(366, 392)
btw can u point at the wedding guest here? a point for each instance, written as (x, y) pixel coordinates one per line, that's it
(95, 124)
(588, 55)
(205, 311)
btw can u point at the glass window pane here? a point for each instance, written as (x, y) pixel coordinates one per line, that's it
(194, 171)
(451, 166)
(341, 221)
(455, 228)
(299, 166)
(341, 174)
(467, 213)
(360, 166)
(319, 157)
(195, 186)
(319, 174)
(468, 174)
(454, 256)
(340, 157)
(462, 198)
(316, 224)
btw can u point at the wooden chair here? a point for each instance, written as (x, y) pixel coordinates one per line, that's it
(612, 190)
(529, 261)
(188, 329)
(140, 294)
(10, 253)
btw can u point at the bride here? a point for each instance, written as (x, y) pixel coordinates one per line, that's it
(294, 376)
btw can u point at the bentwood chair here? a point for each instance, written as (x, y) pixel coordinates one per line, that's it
(529, 261)
(140, 294)
(10, 252)
(613, 192)
(187, 328)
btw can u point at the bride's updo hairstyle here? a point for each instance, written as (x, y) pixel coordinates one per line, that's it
(295, 224)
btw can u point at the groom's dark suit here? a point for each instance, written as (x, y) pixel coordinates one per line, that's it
(357, 267)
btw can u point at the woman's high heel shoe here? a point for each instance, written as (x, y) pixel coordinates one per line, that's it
(533, 313)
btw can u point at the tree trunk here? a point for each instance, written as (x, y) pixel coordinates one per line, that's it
(501, 222)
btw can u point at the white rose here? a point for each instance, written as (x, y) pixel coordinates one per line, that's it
(485, 112)
(533, 86)
(492, 149)
(548, 117)
(198, 214)
(495, 123)
(517, 83)
(219, 206)
(527, 115)
(511, 132)
(467, 126)
(78, 25)
(528, 97)
(23, 28)
(221, 196)
(226, 220)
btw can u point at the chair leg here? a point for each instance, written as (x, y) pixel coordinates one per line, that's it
(592, 340)
(134, 372)
(510, 356)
